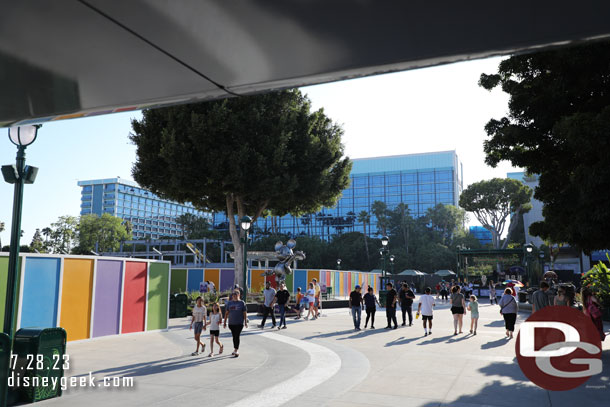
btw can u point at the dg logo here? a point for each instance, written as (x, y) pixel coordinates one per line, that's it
(558, 348)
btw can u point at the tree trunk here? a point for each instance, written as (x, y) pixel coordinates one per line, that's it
(236, 237)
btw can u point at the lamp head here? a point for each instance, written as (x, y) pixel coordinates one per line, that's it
(392, 258)
(529, 248)
(384, 241)
(246, 222)
(23, 136)
(338, 261)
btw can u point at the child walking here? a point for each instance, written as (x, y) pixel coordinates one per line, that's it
(215, 321)
(200, 321)
(425, 307)
(473, 307)
(299, 305)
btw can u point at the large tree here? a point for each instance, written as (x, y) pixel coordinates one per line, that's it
(102, 234)
(492, 201)
(251, 155)
(447, 219)
(558, 126)
(365, 218)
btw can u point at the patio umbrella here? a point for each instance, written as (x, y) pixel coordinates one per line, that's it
(444, 273)
(517, 283)
(410, 273)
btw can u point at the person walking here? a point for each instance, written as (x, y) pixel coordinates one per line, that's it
(199, 318)
(426, 307)
(282, 297)
(508, 309)
(269, 303)
(444, 290)
(458, 308)
(355, 303)
(561, 299)
(473, 307)
(406, 297)
(215, 321)
(592, 308)
(299, 305)
(492, 292)
(317, 303)
(390, 306)
(540, 298)
(311, 297)
(237, 315)
(370, 299)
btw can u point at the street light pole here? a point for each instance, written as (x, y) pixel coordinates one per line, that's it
(392, 257)
(384, 242)
(529, 248)
(245, 224)
(338, 264)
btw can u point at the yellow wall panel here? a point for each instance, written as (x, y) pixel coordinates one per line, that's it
(212, 275)
(257, 280)
(311, 274)
(76, 292)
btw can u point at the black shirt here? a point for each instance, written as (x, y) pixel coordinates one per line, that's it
(282, 296)
(390, 299)
(369, 300)
(356, 298)
(405, 301)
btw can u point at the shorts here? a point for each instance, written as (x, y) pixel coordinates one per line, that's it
(473, 315)
(426, 317)
(457, 310)
(198, 327)
(214, 332)
(317, 303)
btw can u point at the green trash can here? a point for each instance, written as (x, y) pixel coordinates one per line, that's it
(172, 306)
(39, 354)
(182, 301)
(5, 355)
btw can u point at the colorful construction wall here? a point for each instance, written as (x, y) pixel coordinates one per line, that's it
(90, 296)
(341, 282)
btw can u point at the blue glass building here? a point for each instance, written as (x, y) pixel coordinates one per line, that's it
(419, 180)
(481, 234)
(149, 214)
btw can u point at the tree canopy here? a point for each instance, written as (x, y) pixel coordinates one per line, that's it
(557, 126)
(251, 155)
(103, 234)
(492, 201)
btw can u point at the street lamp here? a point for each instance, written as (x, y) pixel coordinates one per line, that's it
(245, 224)
(384, 242)
(529, 248)
(18, 174)
(392, 262)
(338, 264)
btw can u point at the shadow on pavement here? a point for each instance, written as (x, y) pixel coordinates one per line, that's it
(495, 344)
(436, 339)
(496, 324)
(402, 341)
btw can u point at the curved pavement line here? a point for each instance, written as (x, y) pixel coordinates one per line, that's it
(323, 364)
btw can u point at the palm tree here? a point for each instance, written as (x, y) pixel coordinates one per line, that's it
(365, 219)
(1, 230)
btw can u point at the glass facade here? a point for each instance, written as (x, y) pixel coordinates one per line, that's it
(481, 234)
(149, 214)
(418, 180)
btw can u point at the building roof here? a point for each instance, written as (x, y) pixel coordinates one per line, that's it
(405, 162)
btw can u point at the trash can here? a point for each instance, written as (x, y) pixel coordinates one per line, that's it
(172, 306)
(182, 301)
(522, 296)
(40, 353)
(5, 352)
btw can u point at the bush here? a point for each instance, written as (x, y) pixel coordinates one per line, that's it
(598, 279)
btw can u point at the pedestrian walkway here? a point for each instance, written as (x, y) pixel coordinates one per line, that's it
(323, 362)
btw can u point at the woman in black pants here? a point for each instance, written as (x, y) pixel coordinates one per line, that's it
(508, 309)
(369, 301)
(237, 315)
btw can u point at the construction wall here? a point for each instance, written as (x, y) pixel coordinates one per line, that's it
(341, 282)
(89, 296)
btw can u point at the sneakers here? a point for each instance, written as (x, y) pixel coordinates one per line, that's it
(284, 327)
(279, 327)
(395, 327)
(403, 324)
(261, 326)
(388, 327)
(372, 327)
(426, 334)
(194, 353)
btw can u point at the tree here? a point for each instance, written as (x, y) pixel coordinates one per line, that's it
(492, 202)
(37, 242)
(365, 219)
(63, 236)
(399, 222)
(557, 127)
(193, 226)
(447, 219)
(380, 210)
(250, 155)
(103, 234)
(1, 230)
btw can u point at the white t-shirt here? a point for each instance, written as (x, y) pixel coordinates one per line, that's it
(215, 322)
(426, 301)
(311, 294)
(199, 312)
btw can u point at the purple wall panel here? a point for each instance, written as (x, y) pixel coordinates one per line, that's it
(107, 308)
(227, 278)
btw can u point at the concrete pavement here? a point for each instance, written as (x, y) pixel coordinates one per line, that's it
(323, 362)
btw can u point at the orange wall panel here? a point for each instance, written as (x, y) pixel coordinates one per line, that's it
(76, 290)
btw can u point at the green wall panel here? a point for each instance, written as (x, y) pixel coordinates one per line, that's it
(178, 283)
(290, 282)
(158, 297)
(3, 277)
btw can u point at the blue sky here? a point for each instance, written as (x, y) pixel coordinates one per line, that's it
(431, 109)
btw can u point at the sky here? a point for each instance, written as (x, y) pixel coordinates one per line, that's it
(430, 109)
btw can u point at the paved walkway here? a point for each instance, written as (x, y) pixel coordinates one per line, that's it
(322, 362)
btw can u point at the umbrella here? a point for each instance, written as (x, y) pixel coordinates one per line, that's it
(517, 283)
(410, 273)
(550, 274)
(444, 273)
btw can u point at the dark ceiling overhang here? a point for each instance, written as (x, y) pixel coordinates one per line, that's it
(71, 58)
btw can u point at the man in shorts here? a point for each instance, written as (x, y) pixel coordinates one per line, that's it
(316, 305)
(426, 304)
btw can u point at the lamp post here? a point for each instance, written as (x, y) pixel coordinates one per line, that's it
(338, 264)
(392, 258)
(529, 248)
(245, 224)
(19, 175)
(541, 255)
(384, 242)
